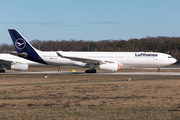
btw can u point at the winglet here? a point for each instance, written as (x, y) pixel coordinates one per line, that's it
(59, 54)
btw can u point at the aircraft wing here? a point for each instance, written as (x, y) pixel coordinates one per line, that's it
(84, 60)
(4, 61)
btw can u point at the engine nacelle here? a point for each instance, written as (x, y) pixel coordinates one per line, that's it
(111, 66)
(19, 66)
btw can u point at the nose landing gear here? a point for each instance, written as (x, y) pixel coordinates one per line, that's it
(59, 70)
(158, 70)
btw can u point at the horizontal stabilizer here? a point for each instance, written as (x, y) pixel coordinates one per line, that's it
(24, 55)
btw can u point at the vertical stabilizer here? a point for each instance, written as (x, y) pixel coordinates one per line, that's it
(23, 46)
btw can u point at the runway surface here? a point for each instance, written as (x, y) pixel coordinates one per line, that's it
(155, 76)
(98, 73)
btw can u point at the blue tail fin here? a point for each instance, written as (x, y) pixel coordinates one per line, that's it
(23, 46)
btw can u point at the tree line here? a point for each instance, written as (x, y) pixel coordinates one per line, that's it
(169, 45)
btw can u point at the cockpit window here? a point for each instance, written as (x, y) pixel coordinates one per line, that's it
(169, 56)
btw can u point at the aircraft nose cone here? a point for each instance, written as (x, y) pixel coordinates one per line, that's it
(174, 60)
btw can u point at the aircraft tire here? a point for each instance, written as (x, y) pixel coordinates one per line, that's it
(2, 71)
(93, 71)
(90, 71)
(87, 71)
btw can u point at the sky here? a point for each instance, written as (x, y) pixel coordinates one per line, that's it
(89, 19)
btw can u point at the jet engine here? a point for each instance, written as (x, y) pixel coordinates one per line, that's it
(19, 66)
(111, 66)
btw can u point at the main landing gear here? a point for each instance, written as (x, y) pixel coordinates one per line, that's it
(159, 70)
(2, 71)
(90, 71)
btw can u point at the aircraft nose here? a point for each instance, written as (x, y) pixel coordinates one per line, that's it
(174, 60)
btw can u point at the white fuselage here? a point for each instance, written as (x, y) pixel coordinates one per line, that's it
(128, 59)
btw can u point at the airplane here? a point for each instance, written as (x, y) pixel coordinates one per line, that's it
(12, 62)
(110, 61)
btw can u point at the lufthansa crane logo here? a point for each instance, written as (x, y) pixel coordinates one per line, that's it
(20, 43)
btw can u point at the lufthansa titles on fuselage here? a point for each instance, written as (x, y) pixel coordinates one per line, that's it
(145, 55)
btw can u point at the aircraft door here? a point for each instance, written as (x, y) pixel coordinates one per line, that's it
(156, 60)
(160, 58)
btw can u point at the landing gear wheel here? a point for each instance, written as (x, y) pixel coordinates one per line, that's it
(59, 70)
(87, 71)
(2, 71)
(158, 70)
(90, 71)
